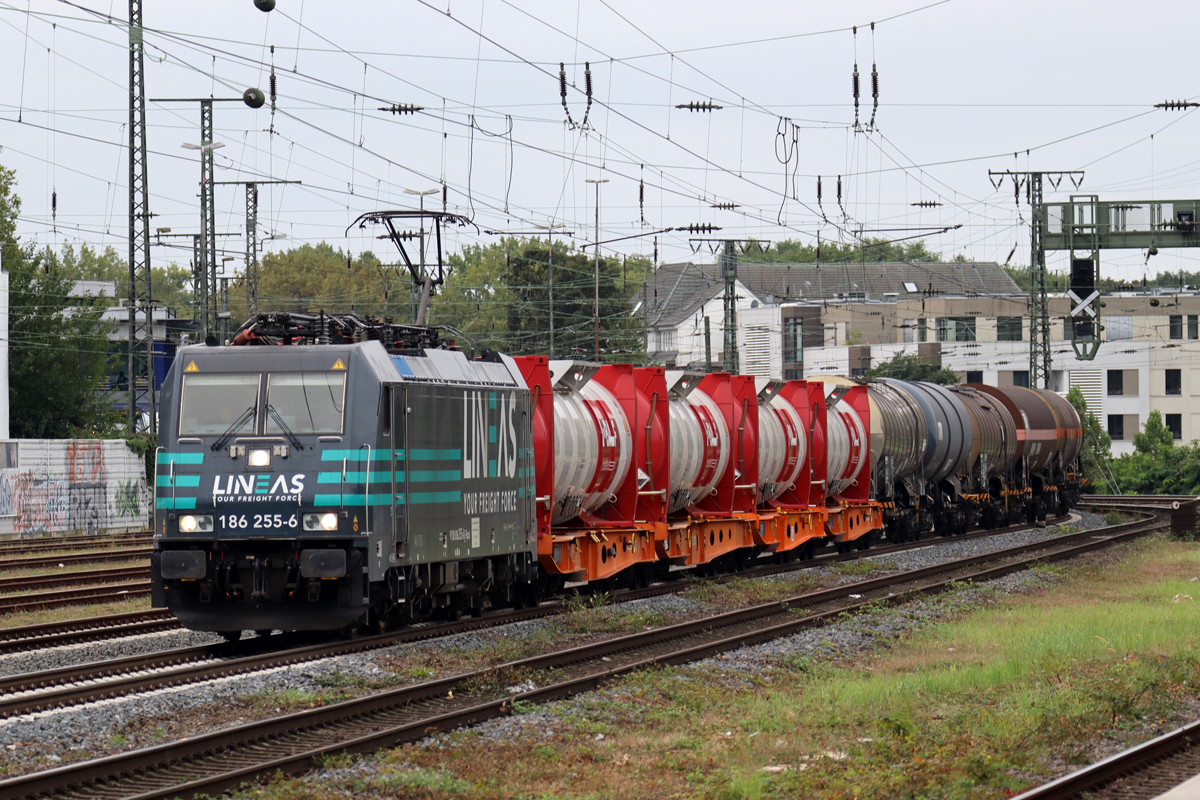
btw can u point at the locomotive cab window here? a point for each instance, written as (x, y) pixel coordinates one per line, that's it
(306, 402)
(215, 404)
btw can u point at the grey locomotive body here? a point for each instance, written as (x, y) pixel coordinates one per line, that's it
(326, 486)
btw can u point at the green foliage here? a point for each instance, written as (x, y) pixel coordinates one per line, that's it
(58, 351)
(1097, 445)
(869, 250)
(499, 296)
(324, 278)
(906, 367)
(1157, 465)
(170, 286)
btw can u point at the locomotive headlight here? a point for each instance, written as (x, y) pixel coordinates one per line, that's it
(259, 458)
(190, 523)
(321, 522)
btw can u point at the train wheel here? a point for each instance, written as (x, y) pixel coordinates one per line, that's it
(231, 636)
(351, 631)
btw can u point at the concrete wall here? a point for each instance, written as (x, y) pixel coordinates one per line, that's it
(65, 485)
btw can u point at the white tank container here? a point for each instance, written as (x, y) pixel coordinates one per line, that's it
(699, 449)
(782, 448)
(592, 450)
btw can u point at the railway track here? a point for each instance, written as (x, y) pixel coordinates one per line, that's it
(62, 633)
(83, 595)
(49, 544)
(1149, 770)
(224, 759)
(41, 562)
(91, 629)
(9, 585)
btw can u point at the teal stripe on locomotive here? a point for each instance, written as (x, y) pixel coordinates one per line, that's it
(181, 481)
(178, 503)
(434, 455)
(377, 455)
(351, 500)
(377, 476)
(359, 454)
(180, 458)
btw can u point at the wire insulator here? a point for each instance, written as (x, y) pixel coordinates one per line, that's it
(855, 80)
(587, 79)
(274, 92)
(562, 81)
(818, 190)
(875, 84)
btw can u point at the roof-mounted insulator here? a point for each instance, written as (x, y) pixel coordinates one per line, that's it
(642, 197)
(1176, 105)
(706, 105)
(402, 108)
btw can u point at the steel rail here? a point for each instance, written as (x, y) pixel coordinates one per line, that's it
(88, 595)
(77, 558)
(8, 585)
(223, 759)
(1137, 762)
(74, 631)
(71, 543)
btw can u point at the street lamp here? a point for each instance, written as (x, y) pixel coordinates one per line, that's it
(549, 229)
(597, 181)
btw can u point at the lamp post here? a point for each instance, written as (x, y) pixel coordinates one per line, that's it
(597, 181)
(549, 229)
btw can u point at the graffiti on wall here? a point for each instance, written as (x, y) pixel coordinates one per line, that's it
(81, 494)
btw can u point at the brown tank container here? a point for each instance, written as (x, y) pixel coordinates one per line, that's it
(1070, 436)
(995, 430)
(1035, 420)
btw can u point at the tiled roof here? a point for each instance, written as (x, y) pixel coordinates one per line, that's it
(676, 290)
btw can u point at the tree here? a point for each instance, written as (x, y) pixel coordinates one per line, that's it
(868, 250)
(58, 350)
(499, 295)
(1157, 465)
(324, 278)
(170, 286)
(905, 367)
(1096, 455)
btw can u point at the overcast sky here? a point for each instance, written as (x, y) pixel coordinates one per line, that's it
(965, 86)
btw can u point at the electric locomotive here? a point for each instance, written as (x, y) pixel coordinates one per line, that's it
(329, 486)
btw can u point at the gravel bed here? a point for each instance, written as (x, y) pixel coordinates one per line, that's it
(79, 728)
(106, 650)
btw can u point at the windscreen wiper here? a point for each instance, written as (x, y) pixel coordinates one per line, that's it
(291, 437)
(245, 417)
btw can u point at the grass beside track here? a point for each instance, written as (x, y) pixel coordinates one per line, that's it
(41, 572)
(989, 696)
(82, 611)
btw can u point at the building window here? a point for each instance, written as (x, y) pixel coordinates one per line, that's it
(793, 342)
(1008, 329)
(956, 329)
(1116, 382)
(922, 330)
(1176, 326)
(1193, 326)
(1116, 427)
(1175, 425)
(910, 330)
(793, 374)
(1174, 381)
(1118, 328)
(1021, 377)
(974, 376)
